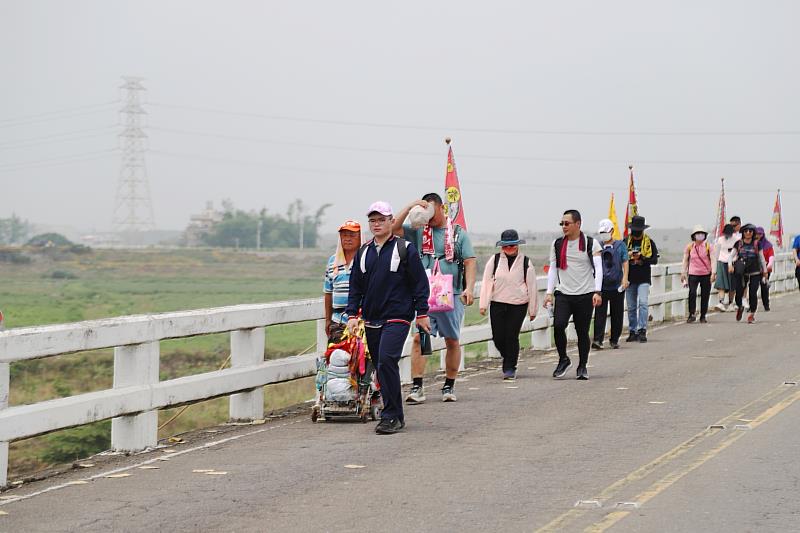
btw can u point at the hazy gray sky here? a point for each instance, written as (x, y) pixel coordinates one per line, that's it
(422, 70)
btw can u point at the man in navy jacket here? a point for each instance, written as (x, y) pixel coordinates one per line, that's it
(389, 286)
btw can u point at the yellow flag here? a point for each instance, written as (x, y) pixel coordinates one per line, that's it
(612, 216)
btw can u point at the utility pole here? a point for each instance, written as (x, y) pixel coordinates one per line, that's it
(302, 229)
(133, 212)
(258, 234)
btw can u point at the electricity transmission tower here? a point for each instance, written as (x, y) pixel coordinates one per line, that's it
(133, 211)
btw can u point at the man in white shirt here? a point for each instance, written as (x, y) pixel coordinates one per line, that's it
(574, 285)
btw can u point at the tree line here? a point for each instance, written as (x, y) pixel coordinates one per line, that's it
(297, 228)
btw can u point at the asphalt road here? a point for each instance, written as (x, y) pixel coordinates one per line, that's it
(636, 444)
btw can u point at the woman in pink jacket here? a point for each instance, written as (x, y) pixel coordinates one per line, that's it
(508, 291)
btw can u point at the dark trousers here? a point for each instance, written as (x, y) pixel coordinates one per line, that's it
(765, 291)
(705, 293)
(506, 322)
(751, 282)
(617, 301)
(386, 346)
(797, 275)
(579, 307)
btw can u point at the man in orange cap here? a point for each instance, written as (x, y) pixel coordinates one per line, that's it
(337, 278)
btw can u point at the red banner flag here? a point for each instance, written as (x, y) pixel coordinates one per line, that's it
(453, 205)
(776, 227)
(720, 222)
(633, 208)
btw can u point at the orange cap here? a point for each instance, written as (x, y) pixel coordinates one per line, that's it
(350, 225)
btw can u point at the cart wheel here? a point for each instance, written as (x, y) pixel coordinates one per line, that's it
(374, 412)
(314, 413)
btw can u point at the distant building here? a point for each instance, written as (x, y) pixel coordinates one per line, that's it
(200, 224)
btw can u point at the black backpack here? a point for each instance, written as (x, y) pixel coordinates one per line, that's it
(525, 264)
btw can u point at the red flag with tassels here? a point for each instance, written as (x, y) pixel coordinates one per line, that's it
(776, 227)
(453, 204)
(633, 208)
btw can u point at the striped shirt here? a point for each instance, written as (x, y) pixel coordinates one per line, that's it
(339, 287)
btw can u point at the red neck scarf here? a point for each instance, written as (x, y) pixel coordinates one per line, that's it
(427, 241)
(563, 252)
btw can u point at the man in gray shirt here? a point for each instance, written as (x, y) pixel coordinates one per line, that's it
(575, 279)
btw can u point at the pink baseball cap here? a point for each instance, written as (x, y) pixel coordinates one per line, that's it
(380, 207)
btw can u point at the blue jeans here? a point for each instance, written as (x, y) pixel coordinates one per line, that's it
(636, 296)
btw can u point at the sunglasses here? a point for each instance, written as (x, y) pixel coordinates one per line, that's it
(565, 223)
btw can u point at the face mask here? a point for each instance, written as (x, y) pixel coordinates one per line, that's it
(604, 237)
(699, 237)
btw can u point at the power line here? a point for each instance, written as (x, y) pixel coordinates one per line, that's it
(509, 131)
(59, 112)
(55, 135)
(55, 161)
(463, 155)
(51, 141)
(529, 184)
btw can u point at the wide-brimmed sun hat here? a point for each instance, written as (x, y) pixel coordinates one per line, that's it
(698, 228)
(638, 223)
(510, 237)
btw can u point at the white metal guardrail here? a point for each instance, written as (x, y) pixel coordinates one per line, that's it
(137, 394)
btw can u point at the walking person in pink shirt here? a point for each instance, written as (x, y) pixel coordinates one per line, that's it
(698, 270)
(509, 292)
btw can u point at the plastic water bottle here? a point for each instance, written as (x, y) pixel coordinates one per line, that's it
(549, 308)
(620, 289)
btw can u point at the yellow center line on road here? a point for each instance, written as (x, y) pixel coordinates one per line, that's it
(671, 478)
(558, 523)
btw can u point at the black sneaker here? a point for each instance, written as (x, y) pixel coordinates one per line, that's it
(766, 308)
(642, 335)
(582, 373)
(389, 426)
(691, 319)
(562, 367)
(739, 313)
(614, 345)
(632, 337)
(703, 320)
(597, 345)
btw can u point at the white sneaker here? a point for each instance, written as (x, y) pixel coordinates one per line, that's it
(416, 395)
(448, 394)
(721, 307)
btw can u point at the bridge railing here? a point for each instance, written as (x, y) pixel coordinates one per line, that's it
(138, 394)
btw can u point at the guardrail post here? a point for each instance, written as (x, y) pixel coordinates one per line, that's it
(322, 337)
(678, 307)
(405, 360)
(137, 364)
(572, 335)
(491, 349)
(658, 287)
(443, 359)
(540, 336)
(247, 349)
(5, 384)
